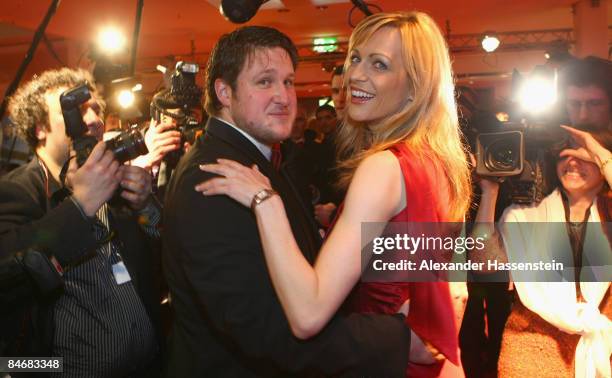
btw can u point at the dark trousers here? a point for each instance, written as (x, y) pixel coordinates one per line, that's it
(480, 350)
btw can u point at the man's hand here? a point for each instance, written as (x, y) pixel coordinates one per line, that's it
(161, 138)
(418, 350)
(136, 183)
(419, 353)
(323, 213)
(95, 182)
(404, 308)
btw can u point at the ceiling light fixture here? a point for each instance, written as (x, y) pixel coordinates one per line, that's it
(111, 40)
(490, 42)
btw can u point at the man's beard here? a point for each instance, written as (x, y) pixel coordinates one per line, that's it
(261, 133)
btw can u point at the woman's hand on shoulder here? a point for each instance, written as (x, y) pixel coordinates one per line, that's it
(235, 180)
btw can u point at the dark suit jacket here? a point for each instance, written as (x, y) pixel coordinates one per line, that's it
(30, 217)
(316, 165)
(229, 322)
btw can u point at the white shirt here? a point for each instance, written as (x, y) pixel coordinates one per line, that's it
(265, 150)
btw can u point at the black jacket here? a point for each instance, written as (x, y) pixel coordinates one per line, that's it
(30, 216)
(228, 320)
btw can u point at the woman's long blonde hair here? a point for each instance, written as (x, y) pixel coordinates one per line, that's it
(428, 124)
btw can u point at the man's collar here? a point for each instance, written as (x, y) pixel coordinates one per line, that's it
(265, 150)
(51, 185)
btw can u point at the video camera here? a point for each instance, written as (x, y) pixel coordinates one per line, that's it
(520, 152)
(519, 156)
(179, 101)
(126, 146)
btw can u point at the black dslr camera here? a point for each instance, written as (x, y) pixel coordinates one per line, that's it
(179, 101)
(126, 146)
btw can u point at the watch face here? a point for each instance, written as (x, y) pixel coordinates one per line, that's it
(263, 195)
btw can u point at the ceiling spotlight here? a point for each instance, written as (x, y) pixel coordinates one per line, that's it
(558, 52)
(111, 40)
(490, 43)
(125, 98)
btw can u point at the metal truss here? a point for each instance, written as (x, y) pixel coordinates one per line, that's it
(513, 41)
(465, 43)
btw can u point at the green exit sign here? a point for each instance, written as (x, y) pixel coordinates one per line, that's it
(325, 44)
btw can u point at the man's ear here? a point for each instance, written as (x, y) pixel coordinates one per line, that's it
(223, 91)
(40, 132)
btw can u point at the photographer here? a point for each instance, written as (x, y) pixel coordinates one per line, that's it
(104, 321)
(176, 121)
(488, 303)
(548, 318)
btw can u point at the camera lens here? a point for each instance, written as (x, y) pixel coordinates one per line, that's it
(127, 146)
(502, 155)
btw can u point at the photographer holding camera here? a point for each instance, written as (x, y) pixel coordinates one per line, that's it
(104, 321)
(558, 329)
(545, 326)
(176, 121)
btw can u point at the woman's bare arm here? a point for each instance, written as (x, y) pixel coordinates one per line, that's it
(311, 295)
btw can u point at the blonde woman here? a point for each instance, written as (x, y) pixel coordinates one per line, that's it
(404, 162)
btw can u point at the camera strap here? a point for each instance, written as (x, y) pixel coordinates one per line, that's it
(64, 192)
(64, 172)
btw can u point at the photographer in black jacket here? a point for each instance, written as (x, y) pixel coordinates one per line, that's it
(104, 320)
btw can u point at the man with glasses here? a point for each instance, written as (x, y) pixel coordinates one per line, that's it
(588, 90)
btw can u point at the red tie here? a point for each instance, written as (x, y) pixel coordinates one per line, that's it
(276, 158)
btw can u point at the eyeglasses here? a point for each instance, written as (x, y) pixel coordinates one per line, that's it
(590, 104)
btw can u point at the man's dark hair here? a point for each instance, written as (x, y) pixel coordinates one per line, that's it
(325, 107)
(28, 107)
(231, 53)
(586, 72)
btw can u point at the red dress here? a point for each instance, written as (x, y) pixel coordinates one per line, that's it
(431, 313)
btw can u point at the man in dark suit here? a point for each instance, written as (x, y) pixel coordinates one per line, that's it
(229, 322)
(326, 159)
(103, 322)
